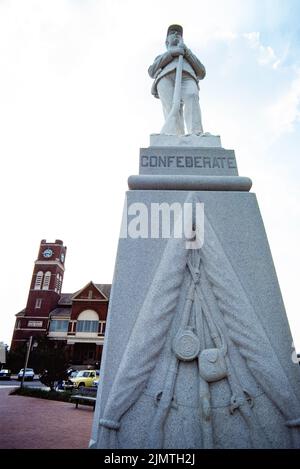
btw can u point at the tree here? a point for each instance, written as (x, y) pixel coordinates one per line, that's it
(49, 358)
(15, 358)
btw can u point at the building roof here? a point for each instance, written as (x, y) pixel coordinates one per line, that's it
(21, 313)
(66, 298)
(104, 288)
(62, 312)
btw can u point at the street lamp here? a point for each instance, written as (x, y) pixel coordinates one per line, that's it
(29, 345)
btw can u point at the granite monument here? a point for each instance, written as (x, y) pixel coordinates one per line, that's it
(198, 348)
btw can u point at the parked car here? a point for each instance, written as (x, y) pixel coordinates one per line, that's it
(66, 383)
(96, 382)
(84, 378)
(5, 374)
(29, 374)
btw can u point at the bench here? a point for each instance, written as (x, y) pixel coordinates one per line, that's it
(84, 396)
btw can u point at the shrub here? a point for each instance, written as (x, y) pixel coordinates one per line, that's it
(42, 394)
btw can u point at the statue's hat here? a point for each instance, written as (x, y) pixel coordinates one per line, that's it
(175, 27)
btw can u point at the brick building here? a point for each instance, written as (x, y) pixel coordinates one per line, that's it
(78, 318)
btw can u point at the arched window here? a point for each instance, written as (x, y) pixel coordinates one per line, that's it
(87, 321)
(60, 284)
(57, 283)
(38, 280)
(47, 279)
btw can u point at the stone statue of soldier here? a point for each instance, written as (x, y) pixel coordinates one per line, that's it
(164, 70)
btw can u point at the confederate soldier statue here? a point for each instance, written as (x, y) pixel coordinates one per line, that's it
(176, 75)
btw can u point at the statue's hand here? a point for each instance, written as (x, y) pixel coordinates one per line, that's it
(176, 51)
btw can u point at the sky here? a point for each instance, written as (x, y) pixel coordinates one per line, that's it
(75, 107)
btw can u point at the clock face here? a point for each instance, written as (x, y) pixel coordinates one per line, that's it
(62, 257)
(47, 253)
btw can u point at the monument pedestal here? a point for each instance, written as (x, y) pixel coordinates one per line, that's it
(150, 398)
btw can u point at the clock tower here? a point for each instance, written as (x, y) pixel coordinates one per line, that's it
(44, 293)
(47, 278)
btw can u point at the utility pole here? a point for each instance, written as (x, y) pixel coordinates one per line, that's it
(26, 360)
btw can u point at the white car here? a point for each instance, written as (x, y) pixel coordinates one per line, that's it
(29, 374)
(5, 374)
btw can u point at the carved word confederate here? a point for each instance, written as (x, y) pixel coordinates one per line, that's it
(188, 162)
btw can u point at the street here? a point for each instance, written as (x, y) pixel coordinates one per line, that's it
(13, 382)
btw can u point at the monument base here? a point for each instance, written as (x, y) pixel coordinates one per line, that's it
(189, 183)
(197, 349)
(138, 352)
(205, 140)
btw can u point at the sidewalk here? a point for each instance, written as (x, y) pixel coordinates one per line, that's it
(28, 422)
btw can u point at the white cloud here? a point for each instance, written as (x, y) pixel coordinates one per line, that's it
(265, 54)
(285, 112)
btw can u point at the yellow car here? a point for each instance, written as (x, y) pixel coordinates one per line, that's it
(85, 378)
